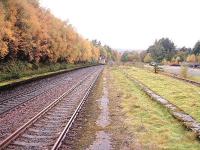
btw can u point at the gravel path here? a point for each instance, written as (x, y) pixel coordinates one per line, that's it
(90, 130)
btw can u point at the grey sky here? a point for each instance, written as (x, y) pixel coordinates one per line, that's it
(131, 24)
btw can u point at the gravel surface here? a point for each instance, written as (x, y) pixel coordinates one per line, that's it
(13, 119)
(44, 132)
(12, 98)
(83, 130)
(90, 129)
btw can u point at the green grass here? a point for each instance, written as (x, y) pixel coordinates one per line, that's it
(195, 78)
(151, 124)
(184, 95)
(189, 77)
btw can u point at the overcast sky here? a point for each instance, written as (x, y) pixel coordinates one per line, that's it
(131, 24)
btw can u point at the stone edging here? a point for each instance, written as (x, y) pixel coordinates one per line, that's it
(187, 120)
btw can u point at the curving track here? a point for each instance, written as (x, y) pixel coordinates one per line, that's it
(43, 129)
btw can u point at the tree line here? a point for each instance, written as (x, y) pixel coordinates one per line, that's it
(106, 52)
(164, 51)
(31, 33)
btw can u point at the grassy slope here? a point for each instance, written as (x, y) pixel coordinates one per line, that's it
(184, 95)
(25, 75)
(149, 122)
(195, 78)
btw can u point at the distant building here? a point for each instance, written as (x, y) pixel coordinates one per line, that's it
(102, 60)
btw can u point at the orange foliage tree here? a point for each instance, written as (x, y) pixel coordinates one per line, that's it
(31, 33)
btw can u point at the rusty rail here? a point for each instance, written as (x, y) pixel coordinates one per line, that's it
(23, 128)
(70, 122)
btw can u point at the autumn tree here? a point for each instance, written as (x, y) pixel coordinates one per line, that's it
(3, 43)
(182, 53)
(191, 58)
(106, 52)
(198, 58)
(130, 56)
(31, 33)
(142, 55)
(148, 58)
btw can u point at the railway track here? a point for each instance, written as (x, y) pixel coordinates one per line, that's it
(36, 89)
(47, 129)
(27, 88)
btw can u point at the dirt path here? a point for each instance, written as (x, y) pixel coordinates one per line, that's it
(103, 138)
(100, 125)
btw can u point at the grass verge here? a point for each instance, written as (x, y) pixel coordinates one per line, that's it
(142, 123)
(7, 77)
(183, 95)
(195, 78)
(181, 75)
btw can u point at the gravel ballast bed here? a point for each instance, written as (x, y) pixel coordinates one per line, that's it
(13, 119)
(53, 122)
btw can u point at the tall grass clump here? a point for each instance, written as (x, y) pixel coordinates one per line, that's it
(184, 71)
(12, 70)
(16, 69)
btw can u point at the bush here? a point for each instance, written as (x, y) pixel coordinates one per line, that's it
(29, 66)
(35, 66)
(12, 70)
(184, 71)
(15, 75)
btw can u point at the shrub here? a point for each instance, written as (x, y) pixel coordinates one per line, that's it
(15, 74)
(184, 71)
(35, 66)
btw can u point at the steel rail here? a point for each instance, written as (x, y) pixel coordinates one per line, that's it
(30, 99)
(38, 88)
(70, 122)
(23, 128)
